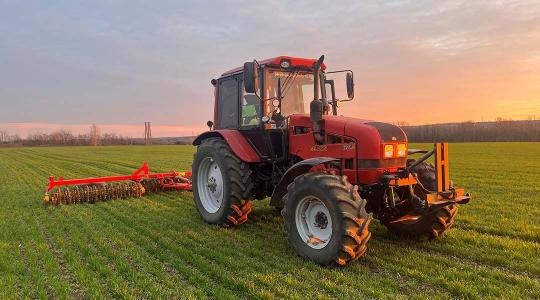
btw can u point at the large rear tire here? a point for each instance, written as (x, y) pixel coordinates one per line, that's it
(222, 184)
(441, 221)
(325, 219)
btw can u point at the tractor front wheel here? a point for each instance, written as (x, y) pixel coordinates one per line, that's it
(222, 184)
(325, 219)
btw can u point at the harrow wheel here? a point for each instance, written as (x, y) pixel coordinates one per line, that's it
(444, 220)
(325, 219)
(431, 225)
(435, 221)
(222, 184)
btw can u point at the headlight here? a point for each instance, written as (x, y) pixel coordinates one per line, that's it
(285, 64)
(388, 151)
(401, 150)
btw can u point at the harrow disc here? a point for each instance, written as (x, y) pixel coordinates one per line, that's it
(152, 185)
(91, 193)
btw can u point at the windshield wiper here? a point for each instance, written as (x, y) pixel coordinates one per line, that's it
(288, 83)
(281, 92)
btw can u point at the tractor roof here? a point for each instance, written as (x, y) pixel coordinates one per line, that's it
(276, 61)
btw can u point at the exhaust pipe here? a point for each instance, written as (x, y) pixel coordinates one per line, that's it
(316, 107)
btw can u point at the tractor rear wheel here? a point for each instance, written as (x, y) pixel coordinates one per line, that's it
(222, 184)
(325, 219)
(441, 220)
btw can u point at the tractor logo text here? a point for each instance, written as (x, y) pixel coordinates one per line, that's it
(349, 146)
(318, 148)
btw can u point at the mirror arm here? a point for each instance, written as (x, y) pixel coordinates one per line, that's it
(341, 71)
(334, 101)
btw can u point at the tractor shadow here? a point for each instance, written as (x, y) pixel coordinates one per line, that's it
(263, 213)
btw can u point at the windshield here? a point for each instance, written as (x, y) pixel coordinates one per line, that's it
(296, 91)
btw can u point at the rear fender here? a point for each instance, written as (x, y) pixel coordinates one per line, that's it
(296, 170)
(236, 141)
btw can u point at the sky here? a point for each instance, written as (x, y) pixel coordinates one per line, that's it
(68, 64)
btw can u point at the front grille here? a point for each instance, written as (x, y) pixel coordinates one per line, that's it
(382, 163)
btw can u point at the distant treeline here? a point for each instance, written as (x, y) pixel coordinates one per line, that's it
(63, 138)
(497, 131)
(93, 138)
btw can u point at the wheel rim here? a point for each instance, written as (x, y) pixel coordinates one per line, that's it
(210, 185)
(313, 222)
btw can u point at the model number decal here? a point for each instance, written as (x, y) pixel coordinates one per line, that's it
(319, 148)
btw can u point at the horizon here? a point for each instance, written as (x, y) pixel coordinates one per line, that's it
(24, 130)
(117, 65)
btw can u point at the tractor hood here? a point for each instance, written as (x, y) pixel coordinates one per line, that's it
(369, 135)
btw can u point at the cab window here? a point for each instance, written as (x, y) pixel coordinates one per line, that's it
(251, 108)
(296, 91)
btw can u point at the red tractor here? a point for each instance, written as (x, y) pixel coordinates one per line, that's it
(277, 133)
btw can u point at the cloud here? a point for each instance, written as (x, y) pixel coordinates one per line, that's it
(126, 62)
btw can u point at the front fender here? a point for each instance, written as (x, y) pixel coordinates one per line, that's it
(236, 141)
(296, 170)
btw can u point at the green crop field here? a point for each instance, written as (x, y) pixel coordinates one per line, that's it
(158, 247)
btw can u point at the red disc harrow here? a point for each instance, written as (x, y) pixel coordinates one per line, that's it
(68, 191)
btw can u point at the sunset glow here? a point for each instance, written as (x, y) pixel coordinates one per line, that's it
(68, 66)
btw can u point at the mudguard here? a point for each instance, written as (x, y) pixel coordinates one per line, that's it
(296, 170)
(236, 141)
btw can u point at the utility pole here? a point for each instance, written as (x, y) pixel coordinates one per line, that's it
(147, 133)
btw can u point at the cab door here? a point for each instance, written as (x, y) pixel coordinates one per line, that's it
(228, 116)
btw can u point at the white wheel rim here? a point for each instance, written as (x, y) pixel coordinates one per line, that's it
(210, 185)
(313, 222)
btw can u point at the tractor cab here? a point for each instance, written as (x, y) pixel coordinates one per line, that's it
(265, 93)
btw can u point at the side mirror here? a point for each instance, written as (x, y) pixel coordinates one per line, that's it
(350, 85)
(250, 77)
(210, 124)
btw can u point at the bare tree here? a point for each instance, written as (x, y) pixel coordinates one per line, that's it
(61, 137)
(15, 138)
(3, 136)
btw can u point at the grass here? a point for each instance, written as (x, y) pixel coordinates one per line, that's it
(158, 247)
